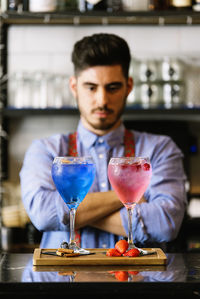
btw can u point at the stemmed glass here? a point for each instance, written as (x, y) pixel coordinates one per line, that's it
(73, 177)
(129, 177)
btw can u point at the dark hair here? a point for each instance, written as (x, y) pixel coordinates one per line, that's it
(101, 49)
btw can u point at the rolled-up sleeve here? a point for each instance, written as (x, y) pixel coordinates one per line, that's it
(45, 207)
(159, 219)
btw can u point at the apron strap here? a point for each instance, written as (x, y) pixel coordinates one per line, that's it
(129, 144)
(72, 150)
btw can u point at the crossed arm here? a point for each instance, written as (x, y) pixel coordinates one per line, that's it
(162, 215)
(101, 210)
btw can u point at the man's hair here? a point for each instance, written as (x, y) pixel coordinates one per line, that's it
(99, 50)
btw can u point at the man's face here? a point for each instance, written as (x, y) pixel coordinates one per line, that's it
(101, 93)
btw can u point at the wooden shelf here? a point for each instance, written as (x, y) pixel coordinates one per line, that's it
(178, 114)
(22, 112)
(169, 17)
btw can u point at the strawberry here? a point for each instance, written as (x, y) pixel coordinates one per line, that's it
(121, 246)
(121, 275)
(133, 272)
(113, 252)
(132, 253)
(146, 166)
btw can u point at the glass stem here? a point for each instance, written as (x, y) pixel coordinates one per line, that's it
(72, 226)
(130, 227)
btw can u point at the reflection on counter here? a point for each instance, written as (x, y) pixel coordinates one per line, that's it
(108, 273)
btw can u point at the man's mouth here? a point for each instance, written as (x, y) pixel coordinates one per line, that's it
(102, 113)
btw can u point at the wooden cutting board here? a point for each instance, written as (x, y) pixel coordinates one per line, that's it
(98, 258)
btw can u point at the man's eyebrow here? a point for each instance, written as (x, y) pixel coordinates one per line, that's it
(89, 83)
(118, 83)
(115, 82)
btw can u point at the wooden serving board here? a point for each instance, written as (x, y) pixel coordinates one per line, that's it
(98, 258)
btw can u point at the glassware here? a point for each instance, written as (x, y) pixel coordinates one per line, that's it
(172, 69)
(148, 70)
(173, 95)
(130, 5)
(73, 177)
(129, 177)
(150, 95)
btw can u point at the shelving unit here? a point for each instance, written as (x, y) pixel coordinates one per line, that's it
(157, 18)
(162, 18)
(178, 114)
(153, 18)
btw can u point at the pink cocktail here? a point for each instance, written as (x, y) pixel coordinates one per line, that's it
(129, 177)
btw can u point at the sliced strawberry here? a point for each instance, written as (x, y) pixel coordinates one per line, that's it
(121, 275)
(113, 252)
(121, 246)
(132, 253)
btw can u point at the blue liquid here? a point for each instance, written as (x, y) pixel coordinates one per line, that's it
(73, 181)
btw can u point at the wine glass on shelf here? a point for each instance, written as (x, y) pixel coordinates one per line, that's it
(130, 177)
(73, 177)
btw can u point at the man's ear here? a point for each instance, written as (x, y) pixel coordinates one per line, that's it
(130, 85)
(73, 85)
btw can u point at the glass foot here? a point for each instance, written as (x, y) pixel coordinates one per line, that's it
(73, 246)
(78, 249)
(146, 252)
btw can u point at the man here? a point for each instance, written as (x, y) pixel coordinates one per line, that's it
(101, 85)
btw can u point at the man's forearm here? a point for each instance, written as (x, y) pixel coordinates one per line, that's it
(111, 223)
(96, 206)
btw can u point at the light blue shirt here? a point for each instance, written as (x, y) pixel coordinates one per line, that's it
(157, 220)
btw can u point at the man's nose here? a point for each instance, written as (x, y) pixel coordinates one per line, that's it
(102, 97)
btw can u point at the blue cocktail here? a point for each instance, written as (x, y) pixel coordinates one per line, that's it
(73, 177)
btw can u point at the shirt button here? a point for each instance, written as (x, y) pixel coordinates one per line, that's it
(103, 185)
(100, 156)
(101, 140)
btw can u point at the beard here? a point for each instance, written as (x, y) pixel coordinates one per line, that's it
(102, 123)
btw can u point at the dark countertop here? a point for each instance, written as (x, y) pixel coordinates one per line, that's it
(180, 277)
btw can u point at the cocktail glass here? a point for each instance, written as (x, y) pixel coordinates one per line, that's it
(73, 177)
(129, 177)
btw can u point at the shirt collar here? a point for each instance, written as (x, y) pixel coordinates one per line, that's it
(89, 139)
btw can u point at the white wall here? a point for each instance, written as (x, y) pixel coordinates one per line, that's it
(49, 47)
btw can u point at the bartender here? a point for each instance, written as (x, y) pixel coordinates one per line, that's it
(100, 85)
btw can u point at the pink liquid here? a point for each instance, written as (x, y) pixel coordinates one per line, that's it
(129, 180)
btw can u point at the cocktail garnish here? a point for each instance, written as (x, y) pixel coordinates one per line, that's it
(64, 161)
(66, 252)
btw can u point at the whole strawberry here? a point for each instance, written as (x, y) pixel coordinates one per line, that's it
(132, 253)
(121, 246)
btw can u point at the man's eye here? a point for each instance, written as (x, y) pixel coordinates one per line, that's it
(113, 88)
(91, 87)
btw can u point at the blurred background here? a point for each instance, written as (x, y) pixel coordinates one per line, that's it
(36, 40)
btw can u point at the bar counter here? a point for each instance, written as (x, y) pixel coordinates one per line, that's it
(180, 278)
